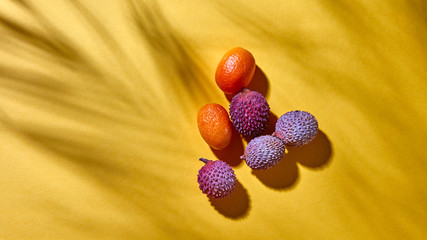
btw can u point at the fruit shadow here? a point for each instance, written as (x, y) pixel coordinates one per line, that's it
(315, 155)
(258, 83)
(271, 126)
(231, 154)
(236, 206)
(285, 175)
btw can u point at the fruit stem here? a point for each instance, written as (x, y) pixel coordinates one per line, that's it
(203, 160)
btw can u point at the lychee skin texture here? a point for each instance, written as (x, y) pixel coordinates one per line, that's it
(264, 152)
(296, 128)
(216, 179)
(249, 112)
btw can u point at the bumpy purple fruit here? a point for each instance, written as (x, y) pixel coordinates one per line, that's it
(216, 179)
(296, 128)
(249, 112)
(264, 152)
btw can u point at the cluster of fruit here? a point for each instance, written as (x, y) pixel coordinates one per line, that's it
(249, 113)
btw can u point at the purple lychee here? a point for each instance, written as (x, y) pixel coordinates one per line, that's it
(264, 152)
(216, 179)
(249, 112)
(296, 128)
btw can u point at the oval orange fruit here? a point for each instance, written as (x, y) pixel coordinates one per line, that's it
(235, 70)
(214, 125)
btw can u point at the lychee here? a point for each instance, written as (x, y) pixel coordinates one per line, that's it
(249, 112)
(296, 128)
(264, 152)
(216, 178)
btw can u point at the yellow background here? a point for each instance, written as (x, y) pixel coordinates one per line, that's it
(98, 134)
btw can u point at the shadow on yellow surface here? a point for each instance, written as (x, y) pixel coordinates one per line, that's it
(271, 125)
(176, 60)
(231, 154)
(99, 119)
(315, 155)
(259, 83)
(235, 206)
(104, 118)
(284, 176)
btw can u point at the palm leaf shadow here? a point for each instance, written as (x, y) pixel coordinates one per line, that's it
(83, 101)
(175, 57)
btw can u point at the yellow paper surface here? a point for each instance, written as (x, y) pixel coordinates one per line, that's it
(98, 134)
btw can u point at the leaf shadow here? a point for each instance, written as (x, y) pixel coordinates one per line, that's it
(177, 61)
(108, 156)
